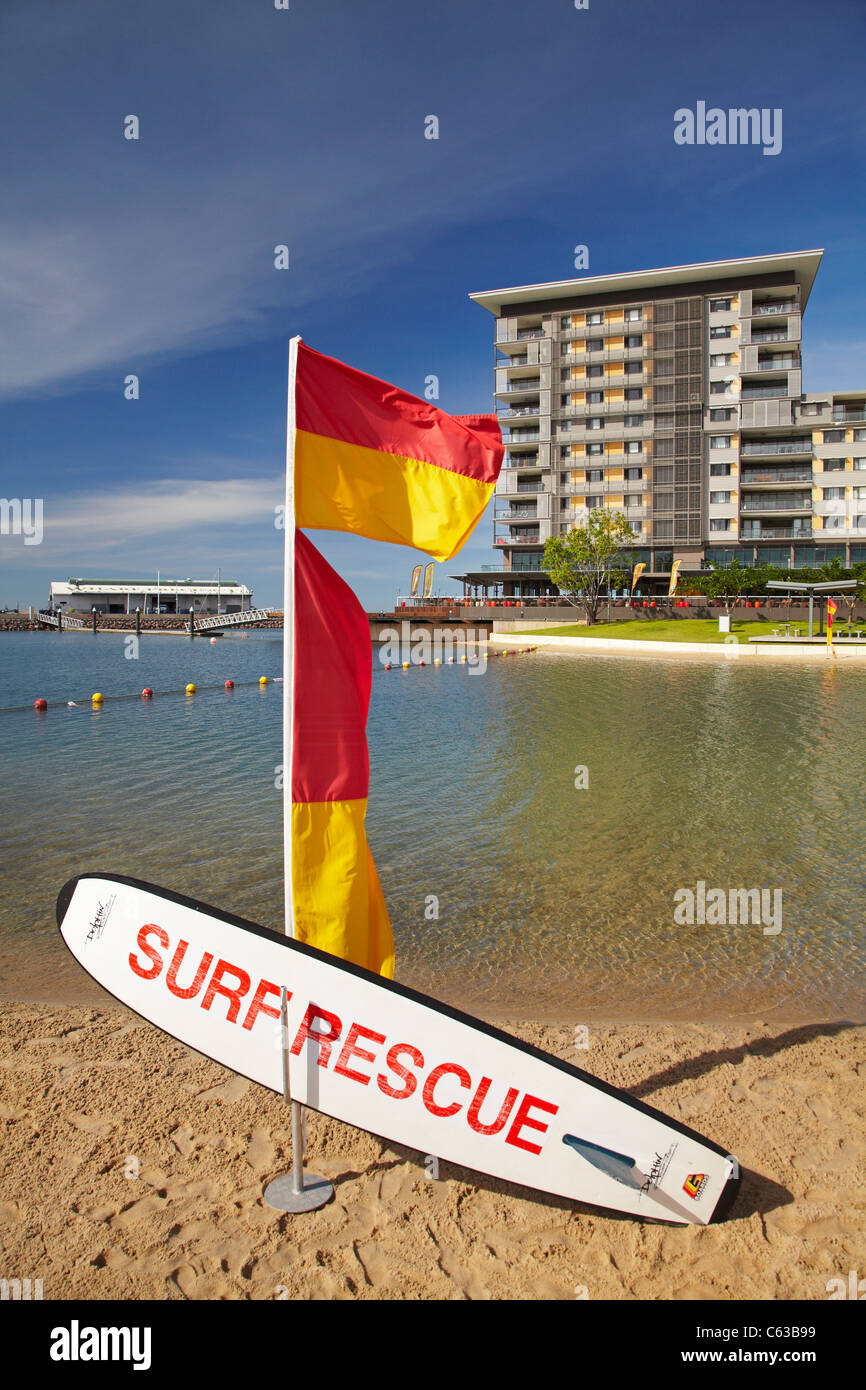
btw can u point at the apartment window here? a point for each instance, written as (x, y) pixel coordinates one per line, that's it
(633, 368)
(564, 401)
(633, 475)
(720, 470)
(721, 414)
(860, 464)
(564, 452)
(595, 448)
(720, 497)
(594, 422)
(597, 317)
(592, 502)
(834, 436)
(565, 321)
(633, 446)
(718, 306)
(563, 503)
(564, 479)
(633, 340)
(595, 397)
(860, 493)
(860, 436)
(633, 422)
(720, 523)
(860, 523)
(632, 314)
(596, 370)
(720, 441)
(594, 475)
(634, 393)
(834, 523)
(832, 465)
(565, 349)
(721, 359)
(594, 344)
(720, 388)
(564, 426)
(720, 331)
(833, 494)
(565, 374)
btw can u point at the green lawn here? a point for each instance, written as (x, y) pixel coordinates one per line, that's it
(672, 630)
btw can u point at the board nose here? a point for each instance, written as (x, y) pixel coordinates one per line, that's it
(64, 897)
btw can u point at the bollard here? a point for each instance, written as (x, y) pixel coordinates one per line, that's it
(94, 621)
(138, 622)
(191, 623)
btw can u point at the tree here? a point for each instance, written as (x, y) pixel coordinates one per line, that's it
(728, 583)
(581, 562)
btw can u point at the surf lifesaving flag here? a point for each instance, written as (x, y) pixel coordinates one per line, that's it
(428, 581)
(831, 613)
(416, 575)
(638, 571)
(675, 574)
(363, 457)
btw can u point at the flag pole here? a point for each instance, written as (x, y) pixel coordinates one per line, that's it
(296, 1191)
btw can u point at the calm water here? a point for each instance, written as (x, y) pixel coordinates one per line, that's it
(553, 902)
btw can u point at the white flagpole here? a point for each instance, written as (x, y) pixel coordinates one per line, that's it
(296, 1191)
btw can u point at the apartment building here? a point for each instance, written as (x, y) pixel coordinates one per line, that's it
(673, 396)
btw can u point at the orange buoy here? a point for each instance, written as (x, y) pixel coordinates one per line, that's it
(40, 703)
(387, 665)
(147, 693)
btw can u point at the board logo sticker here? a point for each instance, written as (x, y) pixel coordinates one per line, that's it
(100, 920)
(695, 1184)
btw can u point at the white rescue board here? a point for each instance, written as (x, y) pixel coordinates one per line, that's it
(385, 1058)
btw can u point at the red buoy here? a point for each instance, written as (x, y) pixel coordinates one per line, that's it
(230, 685)
(387, 665)
(147, 693)
(40, 704)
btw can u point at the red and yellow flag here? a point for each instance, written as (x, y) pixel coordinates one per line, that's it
(373, 460)
(370, 459)
(338, 903)
(831, 613)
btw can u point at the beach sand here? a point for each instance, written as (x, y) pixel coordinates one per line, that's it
(133, 1168)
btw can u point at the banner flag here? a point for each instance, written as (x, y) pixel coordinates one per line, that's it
(675, 572)
(367, 458)
(638, 571)
(831, 613)
(375, 461)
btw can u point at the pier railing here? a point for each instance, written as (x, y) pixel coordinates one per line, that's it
(252, 615)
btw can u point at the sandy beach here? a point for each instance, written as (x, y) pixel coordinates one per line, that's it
(132, 1168)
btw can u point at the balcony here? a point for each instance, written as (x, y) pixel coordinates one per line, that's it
(520, 436)
(782, 306)
(521, 384)
(776, 364)
(756, 393)
(776, 475)
(775, 335)
(524, 334)
(522, 461)
(842, 414)
(775, 533)
(515, 412)
(777, 502)
(753, 447)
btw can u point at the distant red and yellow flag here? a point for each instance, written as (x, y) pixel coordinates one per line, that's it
(375, 461)
(337, 899)
(831, 613)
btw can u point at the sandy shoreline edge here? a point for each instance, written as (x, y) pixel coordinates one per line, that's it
(133, 1168)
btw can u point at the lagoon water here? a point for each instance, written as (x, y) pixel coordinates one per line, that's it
(553, 902)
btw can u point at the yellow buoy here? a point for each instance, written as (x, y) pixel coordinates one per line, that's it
(405, 666)
(437, 661)
(96, 698)
(263, 680)
(190, 690)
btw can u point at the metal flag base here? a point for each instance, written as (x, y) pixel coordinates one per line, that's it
(297, 1191)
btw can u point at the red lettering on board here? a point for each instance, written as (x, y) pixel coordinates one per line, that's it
(473, 1115)
(234, 995)
(350, 1050)
(171, 977)
(258, 1006)
(404, 1074)
(149, 951)
(430, 1085)
(324, 1040)
(522, 1120)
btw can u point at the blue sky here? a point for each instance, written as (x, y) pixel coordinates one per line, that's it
(306, 127)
